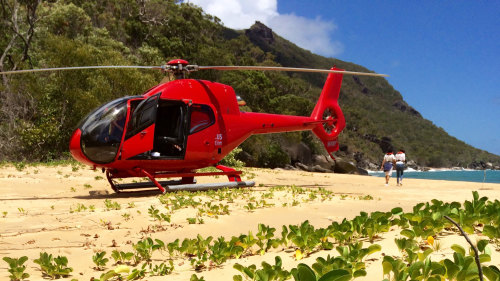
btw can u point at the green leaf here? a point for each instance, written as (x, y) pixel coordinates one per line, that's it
(436, 215)
(475, 194)
(481, 245)
(459, 249)
(484, 258)
(491, 272)
(359, 273)
(397, 211)
(108, 275)
(408, 233)
(21, 260)
(469, 229)
(336, 275)
(387, 266)
(304, 273)
(490, 231)
(423, 255)
(277, 261)
(451, 269)
(374, 248)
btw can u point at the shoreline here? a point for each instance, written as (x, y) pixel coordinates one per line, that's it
(437, 170)
(477, 176)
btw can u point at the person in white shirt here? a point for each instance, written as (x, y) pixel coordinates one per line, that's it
(400, 166)
(387, 164)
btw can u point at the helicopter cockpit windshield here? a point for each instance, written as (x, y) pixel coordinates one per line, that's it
(102, 131)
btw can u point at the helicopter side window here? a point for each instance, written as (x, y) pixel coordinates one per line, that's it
(202, 117)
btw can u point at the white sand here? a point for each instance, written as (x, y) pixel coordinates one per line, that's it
(38, 202)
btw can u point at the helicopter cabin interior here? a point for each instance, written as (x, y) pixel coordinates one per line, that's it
(170, 129)
(171, 118)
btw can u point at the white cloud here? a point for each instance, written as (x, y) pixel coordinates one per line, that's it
(311, 34)
(239, 14)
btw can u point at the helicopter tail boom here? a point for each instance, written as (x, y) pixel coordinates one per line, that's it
(328, 114)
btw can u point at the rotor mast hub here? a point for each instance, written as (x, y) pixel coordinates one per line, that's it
(179, 68)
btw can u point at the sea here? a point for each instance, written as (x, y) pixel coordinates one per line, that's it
(487, 176)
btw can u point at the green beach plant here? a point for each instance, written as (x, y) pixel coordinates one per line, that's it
(265, 238)
(121, 257)
(268, 272)
(161, 269)
(53, 267)
(16, 268)
(303, 237)
(111, 205)
(99, 260)
(22, 211)
(114, 274)
(144, 249)
(157, 216)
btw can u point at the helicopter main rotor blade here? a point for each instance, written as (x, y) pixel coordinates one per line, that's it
(189, 68)
(80, 67)
(277, 68)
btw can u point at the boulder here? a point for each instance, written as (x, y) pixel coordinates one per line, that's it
(303, 167)
(344, 167)
(412, 164)
(290, 167)
(319, 169)
(326, 162)
(362, 172)
(299, 152)
(373, 167)
(248, 159)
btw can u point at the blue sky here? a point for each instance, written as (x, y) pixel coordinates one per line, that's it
(442, 56)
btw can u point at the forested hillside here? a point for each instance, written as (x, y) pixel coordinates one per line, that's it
(39, 111)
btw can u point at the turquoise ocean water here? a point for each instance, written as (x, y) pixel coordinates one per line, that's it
(488, 176)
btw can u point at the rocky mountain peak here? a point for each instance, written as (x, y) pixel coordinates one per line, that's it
(261, 32)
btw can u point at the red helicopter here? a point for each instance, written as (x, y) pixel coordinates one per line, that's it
(180, 126)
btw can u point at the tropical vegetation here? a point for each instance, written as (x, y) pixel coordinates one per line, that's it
(39, 111)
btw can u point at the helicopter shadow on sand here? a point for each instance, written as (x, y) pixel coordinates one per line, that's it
(100, 194)
(104, 194)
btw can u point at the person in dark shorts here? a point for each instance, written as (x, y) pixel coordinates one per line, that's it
(400, 166)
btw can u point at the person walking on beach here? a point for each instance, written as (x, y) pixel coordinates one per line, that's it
(387, 164)
(400, 166)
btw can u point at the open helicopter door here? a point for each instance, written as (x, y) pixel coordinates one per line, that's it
(139, 136)
(156, 130)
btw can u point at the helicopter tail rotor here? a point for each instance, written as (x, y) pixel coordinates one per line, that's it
(327, 113)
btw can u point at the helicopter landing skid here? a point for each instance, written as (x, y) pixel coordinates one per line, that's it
(187, 181)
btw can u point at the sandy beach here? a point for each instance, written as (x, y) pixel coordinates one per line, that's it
(68, 211)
